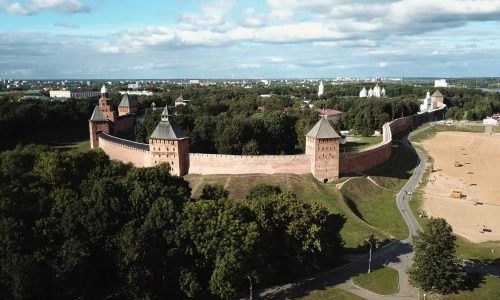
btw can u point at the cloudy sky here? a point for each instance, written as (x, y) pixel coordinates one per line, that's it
(248, 38)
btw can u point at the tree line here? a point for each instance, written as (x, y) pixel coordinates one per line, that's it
(77, 225)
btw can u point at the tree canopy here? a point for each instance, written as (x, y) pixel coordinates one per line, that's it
(435, 267)
(77, 225)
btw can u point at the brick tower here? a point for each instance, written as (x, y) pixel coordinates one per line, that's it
(98, 123)
(105, 105)
(127, 106)
(168, 143)
(323, 144)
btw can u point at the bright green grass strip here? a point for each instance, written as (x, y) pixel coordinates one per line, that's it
(360, 143)
(383, 281)
(331, 293)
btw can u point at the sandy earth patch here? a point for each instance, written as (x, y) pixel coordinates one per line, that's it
(478, 179)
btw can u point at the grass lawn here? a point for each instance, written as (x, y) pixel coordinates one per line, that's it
(360, 143)
(383, 281)
(330, 293)
(487, 288)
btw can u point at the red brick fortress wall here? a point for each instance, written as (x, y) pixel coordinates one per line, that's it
(124, 150)
(248, 164)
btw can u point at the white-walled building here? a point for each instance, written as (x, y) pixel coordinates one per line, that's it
(62, 94)
(426, 103)
(491, 121)
(321, 89)
(363, 93)
(440, 83)
(376, 92)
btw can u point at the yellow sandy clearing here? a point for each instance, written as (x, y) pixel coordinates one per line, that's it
(478, 179)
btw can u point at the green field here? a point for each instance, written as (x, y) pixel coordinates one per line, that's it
(330, 293)
(360, 143)
(487, 288)
(383, 281)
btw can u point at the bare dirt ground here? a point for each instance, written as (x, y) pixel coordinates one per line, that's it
(475, 216)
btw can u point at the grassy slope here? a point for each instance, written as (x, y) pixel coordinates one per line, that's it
(376, 206)
(305, 187)
(331, 293)
(383, 281)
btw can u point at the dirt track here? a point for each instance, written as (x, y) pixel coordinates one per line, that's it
(478, 179)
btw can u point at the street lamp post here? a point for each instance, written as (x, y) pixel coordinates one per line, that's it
(250, 286)
(370, 257)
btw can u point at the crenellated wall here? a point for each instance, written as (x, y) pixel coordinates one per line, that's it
(350, 162)
(248, 164)
(354, 162)
(125, 150)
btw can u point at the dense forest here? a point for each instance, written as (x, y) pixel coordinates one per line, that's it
(79, 226)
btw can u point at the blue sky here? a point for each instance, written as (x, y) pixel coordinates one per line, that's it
(248, 39)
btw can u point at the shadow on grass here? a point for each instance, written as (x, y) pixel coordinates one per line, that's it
(390, 254)
(473, 281)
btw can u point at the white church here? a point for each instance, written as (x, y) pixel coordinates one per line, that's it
(376, 92)
(321, 89)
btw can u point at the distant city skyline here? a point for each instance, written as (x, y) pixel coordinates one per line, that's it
(91, 39)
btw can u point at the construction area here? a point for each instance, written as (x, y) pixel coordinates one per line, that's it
(464, 183)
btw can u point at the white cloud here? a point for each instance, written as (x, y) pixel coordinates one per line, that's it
(35, 6)
(212, 16)
(252, 19)
(249, 66)
(382, 64)
(277, 59)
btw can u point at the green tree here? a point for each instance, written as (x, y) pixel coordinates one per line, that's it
(263, 190)
(213, 192)
(435, 267)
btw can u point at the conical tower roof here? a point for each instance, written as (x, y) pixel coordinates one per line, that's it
(323, 130)
(97, 115)
(127, 101)
(166, 130)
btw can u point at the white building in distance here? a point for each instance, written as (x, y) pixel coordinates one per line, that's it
(66, 94)
(491, 121)
(321, 89)
(440, 83)
(376, 92)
